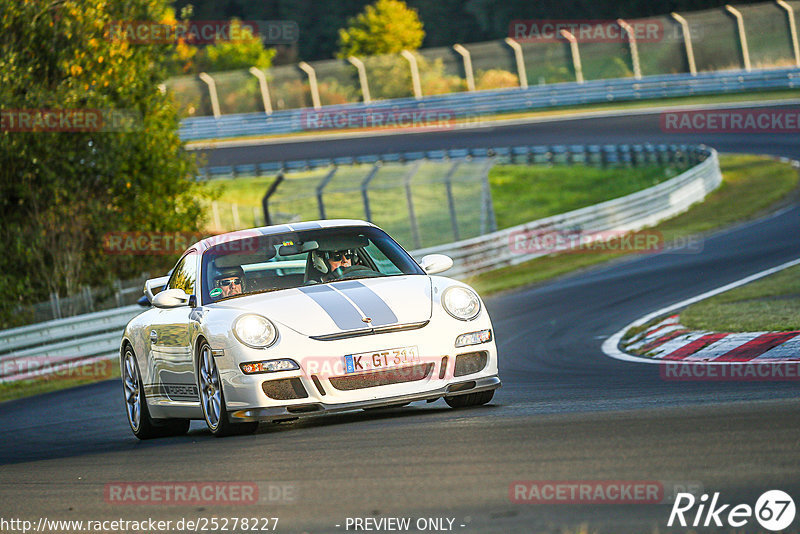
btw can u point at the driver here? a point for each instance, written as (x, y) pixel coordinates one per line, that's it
(230, 280)
(337, 259)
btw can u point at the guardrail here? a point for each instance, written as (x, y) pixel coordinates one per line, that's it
(85, 338)
(629, 213)
(601, 155)
(478, 103)
(54, 344)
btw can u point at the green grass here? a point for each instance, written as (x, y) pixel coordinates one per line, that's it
(751, 185)
(86, 374)
(772, 303)
(523, 193)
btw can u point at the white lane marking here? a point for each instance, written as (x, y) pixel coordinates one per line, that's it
(610, 345)
(203, 145)
(790, 350)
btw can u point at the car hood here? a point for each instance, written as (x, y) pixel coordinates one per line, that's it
(329, 309)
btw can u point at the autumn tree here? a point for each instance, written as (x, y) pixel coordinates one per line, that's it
(62, 191)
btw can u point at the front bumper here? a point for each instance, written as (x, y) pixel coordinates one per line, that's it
(308, 409)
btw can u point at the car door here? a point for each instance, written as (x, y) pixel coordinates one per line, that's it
(170, 339)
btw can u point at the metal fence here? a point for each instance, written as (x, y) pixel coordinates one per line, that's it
(754, 36)
(87, 338)
(88, 300)
(629, 213)
(469, 107)
(422, 199)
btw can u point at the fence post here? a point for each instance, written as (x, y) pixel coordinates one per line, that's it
(262, 83)
(320, 187)
(55, 305)
(412, 216)
(742, 35)
(212, 93)
(451, 205)
(255, 216)
(118, 293)
(87, 296)
(312, 82)
(487, 208)
(576, 55)
(362, 78)
(520, 60)
(637, 69)
(235, 212)
(412, 63)
(265, 200)
(215, 215)
(467, 66)
(792, 29)
(687, 42)
(365, 186)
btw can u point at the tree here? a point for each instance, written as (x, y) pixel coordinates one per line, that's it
(241, 53)
(62, 191)
(386, 27)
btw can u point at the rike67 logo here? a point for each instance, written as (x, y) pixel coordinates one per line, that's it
(774, 511)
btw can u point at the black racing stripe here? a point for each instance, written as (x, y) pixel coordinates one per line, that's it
(344, 314)
(370, 303)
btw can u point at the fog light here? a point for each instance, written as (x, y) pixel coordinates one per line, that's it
(268, 366)
(474, 338)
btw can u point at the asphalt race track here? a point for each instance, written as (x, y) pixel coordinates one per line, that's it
(565, 411)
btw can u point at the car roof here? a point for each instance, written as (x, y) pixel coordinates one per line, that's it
(278, 229)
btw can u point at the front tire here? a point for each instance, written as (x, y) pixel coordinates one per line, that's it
(470, 399)
(212, 399)
(142, 425)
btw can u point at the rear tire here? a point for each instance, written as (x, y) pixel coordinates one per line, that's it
(470, 399)
(212, 400)
(142, 425)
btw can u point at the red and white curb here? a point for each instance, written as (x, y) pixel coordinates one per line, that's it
(668, 340)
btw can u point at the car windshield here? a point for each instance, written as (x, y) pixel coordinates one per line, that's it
(261, 263)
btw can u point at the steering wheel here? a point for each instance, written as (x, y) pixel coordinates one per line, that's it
(354, 271)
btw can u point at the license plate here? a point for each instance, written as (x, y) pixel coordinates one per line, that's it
(381, 359)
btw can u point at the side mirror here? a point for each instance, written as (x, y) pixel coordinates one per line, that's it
(152, 285)
(171, 298)
(435, 263)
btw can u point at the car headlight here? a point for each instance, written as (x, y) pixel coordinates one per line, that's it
(255, 331)
(461, 303)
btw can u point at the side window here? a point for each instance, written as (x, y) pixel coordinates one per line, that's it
(185, 274)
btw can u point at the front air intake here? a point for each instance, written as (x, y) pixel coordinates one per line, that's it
(284, 389)
(382, 378)
(471, 362)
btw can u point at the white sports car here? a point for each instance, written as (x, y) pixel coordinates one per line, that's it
(281, 322)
